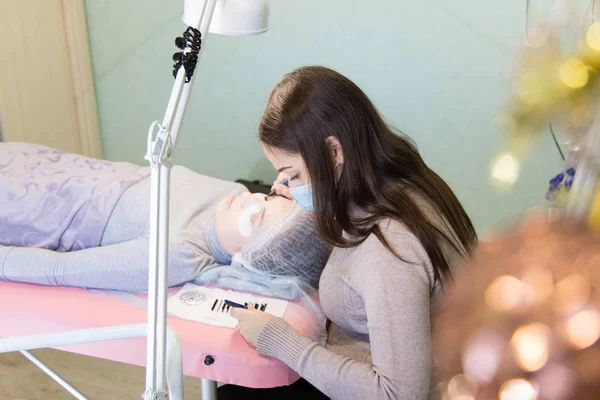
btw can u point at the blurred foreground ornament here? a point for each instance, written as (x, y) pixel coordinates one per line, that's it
(553, 83)
(541, 342)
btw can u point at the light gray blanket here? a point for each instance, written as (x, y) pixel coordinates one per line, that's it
(68, 220)
(55, 200)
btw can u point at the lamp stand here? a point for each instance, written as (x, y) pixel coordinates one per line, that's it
(162, 137)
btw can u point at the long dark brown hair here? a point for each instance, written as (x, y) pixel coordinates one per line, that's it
(383, 174)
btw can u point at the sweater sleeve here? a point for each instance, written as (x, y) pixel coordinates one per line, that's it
(121, 266)
(396, 301)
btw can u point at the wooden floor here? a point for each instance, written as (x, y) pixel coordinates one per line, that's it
(95, 378)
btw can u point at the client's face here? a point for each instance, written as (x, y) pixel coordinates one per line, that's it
(242, 218)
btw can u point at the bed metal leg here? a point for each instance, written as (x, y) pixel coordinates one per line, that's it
(55, 339)
(174, 365)
(209, 389)
(59, 379)
(107, 333)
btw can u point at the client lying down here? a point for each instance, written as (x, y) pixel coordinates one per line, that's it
(68, 220)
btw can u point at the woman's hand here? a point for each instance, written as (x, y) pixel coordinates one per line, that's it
(279, 188)
(251, 323)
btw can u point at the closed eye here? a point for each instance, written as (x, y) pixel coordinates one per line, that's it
(260, 217)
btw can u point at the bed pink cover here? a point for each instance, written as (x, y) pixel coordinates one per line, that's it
(31, 309)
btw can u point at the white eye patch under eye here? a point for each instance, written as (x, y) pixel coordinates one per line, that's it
(245, 220)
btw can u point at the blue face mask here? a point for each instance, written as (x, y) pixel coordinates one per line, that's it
(303, 195)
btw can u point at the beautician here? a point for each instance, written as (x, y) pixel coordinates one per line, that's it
(397, 229)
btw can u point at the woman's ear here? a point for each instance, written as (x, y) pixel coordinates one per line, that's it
(334, 147)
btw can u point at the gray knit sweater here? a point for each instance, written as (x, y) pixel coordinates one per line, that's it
(378, 344)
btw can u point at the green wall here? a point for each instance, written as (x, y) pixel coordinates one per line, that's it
(438, 70)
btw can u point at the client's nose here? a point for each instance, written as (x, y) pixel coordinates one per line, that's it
(259, 197)
(253, 198)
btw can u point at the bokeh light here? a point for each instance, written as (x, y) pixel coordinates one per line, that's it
(593, 36)
(583, 328)
(556, 382)
(506, 168)
(505, 293)
(530, 345)
(518, 389)
(574, 73)
(571, 293)
(482, 355)
(461, 387)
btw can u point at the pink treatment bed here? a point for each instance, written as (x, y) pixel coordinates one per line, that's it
(31, 309)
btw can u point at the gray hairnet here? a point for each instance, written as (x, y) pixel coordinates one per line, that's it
(292, 248)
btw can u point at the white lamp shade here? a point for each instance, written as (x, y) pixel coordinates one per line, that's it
(231, 17)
